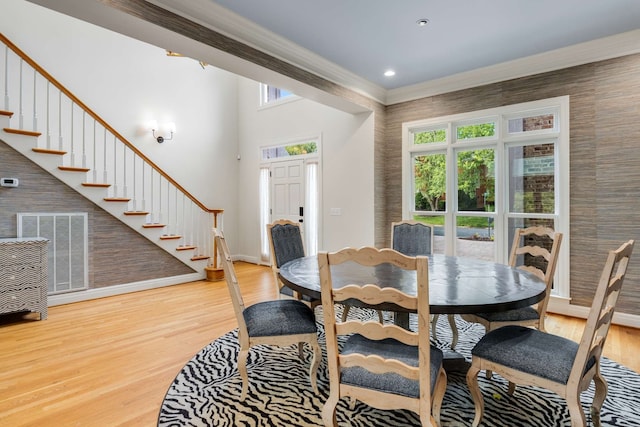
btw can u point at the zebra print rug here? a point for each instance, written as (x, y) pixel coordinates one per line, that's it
(206, 392)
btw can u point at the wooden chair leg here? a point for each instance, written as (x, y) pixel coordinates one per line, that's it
(576, 413)
(314, 365)
(242, 369)
(454, 331)
(434, 322)
(329, 411)
(476, 394)
(599, 397)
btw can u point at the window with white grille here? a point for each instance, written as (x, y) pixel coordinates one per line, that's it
(67, 250)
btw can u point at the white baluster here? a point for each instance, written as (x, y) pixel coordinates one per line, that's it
(35, 113)
(84, 140)
(48, 115)
(6, 78)
(21, 112)
(104, 156)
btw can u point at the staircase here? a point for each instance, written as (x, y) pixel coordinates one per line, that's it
(80, 149)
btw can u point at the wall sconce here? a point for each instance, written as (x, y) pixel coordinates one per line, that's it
(168, 127)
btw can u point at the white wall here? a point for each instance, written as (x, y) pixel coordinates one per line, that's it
(347, 166)
(128, 82)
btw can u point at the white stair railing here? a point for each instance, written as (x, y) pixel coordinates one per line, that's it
(87, 144)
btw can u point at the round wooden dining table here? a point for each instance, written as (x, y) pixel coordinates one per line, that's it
(457, 285)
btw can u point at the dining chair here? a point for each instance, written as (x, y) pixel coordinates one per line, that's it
(281, 322)
(534, 249)
(414, 238)
(286, 244)
(529, 356)
(382, 365)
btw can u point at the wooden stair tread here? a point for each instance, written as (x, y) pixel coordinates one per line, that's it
(116, 199)
(22, 132)
(199, 257)
(49, 151)
(154, 225)
(96, 184)
(6, 113)
(73, 169)
(136, 213)
(170, 237)
(185, 248)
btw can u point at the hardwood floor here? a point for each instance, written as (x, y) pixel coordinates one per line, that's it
(109, 362)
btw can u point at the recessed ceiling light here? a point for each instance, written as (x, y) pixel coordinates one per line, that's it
(422, 22)
(389, 73)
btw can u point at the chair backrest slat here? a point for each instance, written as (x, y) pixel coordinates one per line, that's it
(373, 294)
(596, 329)
(538, 248)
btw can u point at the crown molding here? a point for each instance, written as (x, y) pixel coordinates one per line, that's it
(583, 53)
(222, 20)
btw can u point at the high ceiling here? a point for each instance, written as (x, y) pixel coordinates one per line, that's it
(352, 43)
(368, 37)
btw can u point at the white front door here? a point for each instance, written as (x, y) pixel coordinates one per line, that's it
(287, 189)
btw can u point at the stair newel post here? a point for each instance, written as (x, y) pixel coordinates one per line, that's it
(214, 272)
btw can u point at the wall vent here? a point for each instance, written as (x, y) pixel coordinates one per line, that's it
(67, 249)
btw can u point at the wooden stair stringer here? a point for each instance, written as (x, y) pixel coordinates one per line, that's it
(25, 144)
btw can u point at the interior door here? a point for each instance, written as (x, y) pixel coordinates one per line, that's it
(287, 189)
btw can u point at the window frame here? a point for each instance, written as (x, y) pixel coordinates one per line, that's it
(500, 142)
(263, 98)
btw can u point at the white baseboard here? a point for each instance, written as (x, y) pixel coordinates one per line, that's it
(563, 306)
(108, 291)
(247, 258)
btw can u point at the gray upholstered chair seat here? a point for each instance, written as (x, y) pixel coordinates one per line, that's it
(520, 314)
(530, 350)
(389, 382)
(279, 317)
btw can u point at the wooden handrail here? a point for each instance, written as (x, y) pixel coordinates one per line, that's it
(97, 118)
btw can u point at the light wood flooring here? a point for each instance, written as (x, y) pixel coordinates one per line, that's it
(109, 362)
